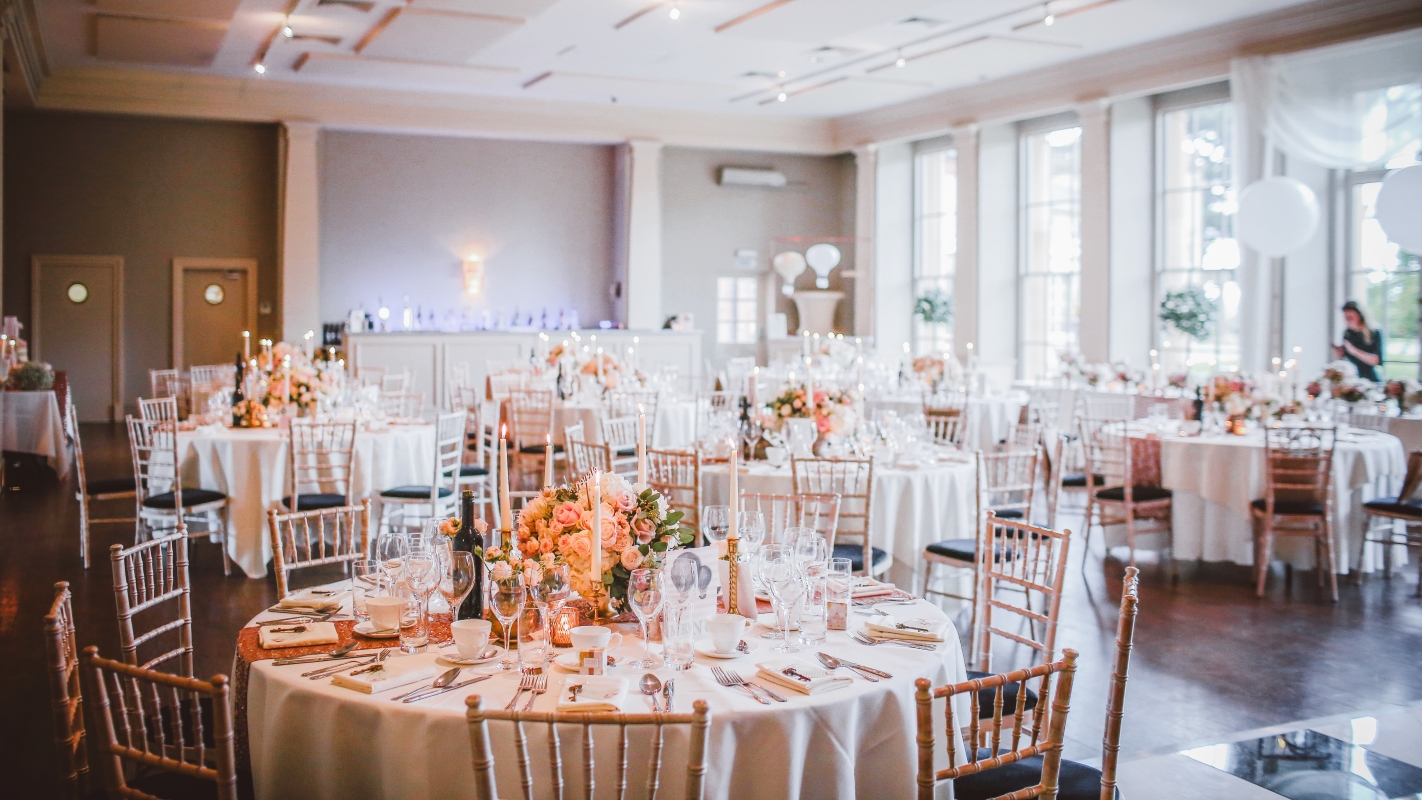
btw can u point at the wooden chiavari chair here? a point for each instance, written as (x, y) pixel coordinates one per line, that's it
(585, 457)
(946, 403)
(984, 752)
(946, 428)
(1043, 408)
(65, 693)
(95, 491)
(1405, 507)
(485, 784)
(709, 404)
(1022, 435)
(1107, 406)
(1297, 501)
(1367, 419)
(305, 539)
(151, 721)
(1054, 453)
(158, 409)
(633, 402)
(853, 480)
(403, 405)
(620, 435)
(676, 476)
(213, 374)
(321, 456)
(781, 511)
(395, 383)
(530, 415)
(499, 386)
(1129, 492)
(147, 576)
(438, 499)
(162, 502)
(474, 471)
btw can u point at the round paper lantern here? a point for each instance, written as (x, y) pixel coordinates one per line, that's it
(1276, 216)
(1399, 208)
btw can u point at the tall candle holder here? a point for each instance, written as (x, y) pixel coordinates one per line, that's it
(733, 570)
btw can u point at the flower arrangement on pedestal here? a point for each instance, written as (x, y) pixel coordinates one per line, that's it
(835, 411)
(930, 369)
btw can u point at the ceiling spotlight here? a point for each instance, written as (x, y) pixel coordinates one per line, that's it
(675, 13)
(781, 97)
(781, 74)
(287, 31)
(1050, 18)
(901, 62)
(1047, 16)
(260, 68)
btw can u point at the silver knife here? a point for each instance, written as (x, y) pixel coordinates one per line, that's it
(434, 692)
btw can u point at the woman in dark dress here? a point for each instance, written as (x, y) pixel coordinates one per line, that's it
(1362, 346)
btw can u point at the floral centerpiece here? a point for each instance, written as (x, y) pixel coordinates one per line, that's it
(835, 411)
(1353, 390)
(1122, 372)
(1406, 391)
(1179, 380)
(930, 369)
(253, 413)
(29, 376)
(1234, 394)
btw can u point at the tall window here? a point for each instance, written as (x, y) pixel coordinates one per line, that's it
(735, 310)
(1198, 255)
(1051, 249)
(935, 249)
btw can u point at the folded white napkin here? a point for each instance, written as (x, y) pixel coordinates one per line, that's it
(868, 587)
(313, 633)
(918, 630)
(394, 671)
(314, 599)
(821, 679)
(600, 694)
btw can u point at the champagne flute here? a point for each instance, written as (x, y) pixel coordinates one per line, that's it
(644, 589)
(457, 580)
(506, 597)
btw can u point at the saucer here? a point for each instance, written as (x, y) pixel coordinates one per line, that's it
(704, 648)
(569, 662)
(767, 621)
(368, 630)
(460, 661)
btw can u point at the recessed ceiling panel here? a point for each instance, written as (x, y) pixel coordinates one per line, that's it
(603, 88)
(384, 72)
(187, 9)
(523, 9)
(157, 41)
(409, 34)
(845, 96)
(969, 61)
(818, 21)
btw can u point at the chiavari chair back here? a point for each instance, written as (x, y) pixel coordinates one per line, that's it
(162, 502)
(1026, 560)
(1107, 406)
(1023, 435)
(499, 386)
(213, 375)
(819, 512)
(370, 376)
(1384, 512)
(628, 403)
(1055, 455)
(1367, 419)
(676, 476)
(150, 577)
(439, 497)
(1009, 729)
(395, 383)
(946, 428)
(530, 419)
(947, 402)
(1044, 407)
(474, 473)
(853, 480)
(482, 742)
(65, 692)
(1128, 490)
(305, 539)
(620, 436)
(321, 460)
(153, 720)
(1007, 481)
(1297, 501)
(586, 457)
(402, 405)
(709, 405)
(158, 409)
(1116, 694)
(100, 490)
(165, 382)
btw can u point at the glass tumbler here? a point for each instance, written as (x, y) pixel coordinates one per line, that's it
(367, 581)
(414, 623)
(678, 635)
(533, 634)
(814, 620)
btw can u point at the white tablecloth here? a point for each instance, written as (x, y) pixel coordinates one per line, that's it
(312, 740)
(1215, 478)
(30, 423)
(910, 508)
(992, 414)
(249, 466)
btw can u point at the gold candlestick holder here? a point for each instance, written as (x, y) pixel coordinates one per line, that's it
(733, 571)
(597, 598)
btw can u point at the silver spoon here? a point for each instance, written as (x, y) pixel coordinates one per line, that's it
(314, 657)
(831, 662)
(651, 685)
(439, 683)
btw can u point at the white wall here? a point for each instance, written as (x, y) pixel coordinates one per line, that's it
(399, 213)
(1132, 223)
(997, 252)
(893, 243)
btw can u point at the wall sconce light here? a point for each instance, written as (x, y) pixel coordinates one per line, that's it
(473, 276)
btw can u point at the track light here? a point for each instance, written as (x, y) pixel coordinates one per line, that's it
(287, 31)
(901, 62)
(260, 68)
(1050, 18)
(675, 13)
(1047, 16)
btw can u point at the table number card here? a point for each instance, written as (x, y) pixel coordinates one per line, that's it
(707, 586)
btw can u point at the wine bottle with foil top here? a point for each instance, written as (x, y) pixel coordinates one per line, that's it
(471, 541)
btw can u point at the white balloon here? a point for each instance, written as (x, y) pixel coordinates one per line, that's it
(822, 258)
(1276, 216)
(1399, 208)
(789, 264)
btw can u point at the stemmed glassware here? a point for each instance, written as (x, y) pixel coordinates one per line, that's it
(644, 590)
(553, 589)
(786, 583)
(716, 522)
(457, 579)
(810, 548)
(391, 547)
(506, 597)
(422, 575)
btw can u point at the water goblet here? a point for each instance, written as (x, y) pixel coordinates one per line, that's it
(457, 579)
(644, 590)
(506, 597)
(716, 522)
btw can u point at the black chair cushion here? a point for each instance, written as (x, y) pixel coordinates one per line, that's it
(111, 486)
(626, 452)
(960, 549)
(855, 554)
(1009, 513)
(987, 697)
(1078, 481)
(313, 502)
(413, 493)
(1139, 494)
(1290, 507)
(191, 497)
(537, 449)
(1393, 505)
(1076, 781)
(472, 472)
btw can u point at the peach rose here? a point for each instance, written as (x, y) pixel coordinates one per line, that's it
(624, 499)
(547, 547)
(492, 553)
(582, 546)
(564, 542)
(555, 527)
(631, 558)
(645, 530)
(622, 542)
(567, 514)
(609, 531)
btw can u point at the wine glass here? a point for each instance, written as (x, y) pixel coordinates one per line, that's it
(391, 547)
(506, 596)
(716, 522)
(554, 589)
(751, 527)
(422, 576)
(786, 583)
(644, 589)
(457, 580)
(810, 548)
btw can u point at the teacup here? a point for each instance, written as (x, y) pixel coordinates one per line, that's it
(776, 456)
(1190, 427)
(586, 637)
(726, 630)
(471, 636)
(385, 612)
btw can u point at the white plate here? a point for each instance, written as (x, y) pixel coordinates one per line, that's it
(457, 660)
(569, 662)
(368, 630)
(704, 648)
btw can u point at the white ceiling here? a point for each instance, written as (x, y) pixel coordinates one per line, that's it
(828, 57)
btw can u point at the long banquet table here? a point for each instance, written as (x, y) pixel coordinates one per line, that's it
(249, 465)
(32, 422)
(312, 740)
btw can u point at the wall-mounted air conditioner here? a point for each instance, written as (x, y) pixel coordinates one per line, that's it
(750, 176)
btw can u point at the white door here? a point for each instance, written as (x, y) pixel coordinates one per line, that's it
(77, 319)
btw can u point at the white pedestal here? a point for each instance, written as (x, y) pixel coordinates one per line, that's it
(817, 309)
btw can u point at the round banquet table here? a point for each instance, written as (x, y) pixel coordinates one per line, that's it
(993, 414)
(32, 422)
(249, 466)
(1215, 477)
(910, 508)
(311, 739)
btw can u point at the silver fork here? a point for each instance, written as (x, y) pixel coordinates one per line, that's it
(524, 683)
(736, 676)
(724, 678)
(540, 685)
(862, 639)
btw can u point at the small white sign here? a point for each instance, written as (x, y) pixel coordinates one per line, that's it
(747, 259)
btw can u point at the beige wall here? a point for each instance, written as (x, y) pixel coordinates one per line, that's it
(704, 224)
(144, 188)
(399, 213)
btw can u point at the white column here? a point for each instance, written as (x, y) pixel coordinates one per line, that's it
(644, 235)
(866, 190)
(965, 263)
(1132, 224)
(299, 280)
(893, 248)
(1095, 330)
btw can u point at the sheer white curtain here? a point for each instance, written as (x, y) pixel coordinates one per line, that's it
(1347, 106)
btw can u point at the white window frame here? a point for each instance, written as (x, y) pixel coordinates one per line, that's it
(918, 282)
(743, 324)
(1026, 130)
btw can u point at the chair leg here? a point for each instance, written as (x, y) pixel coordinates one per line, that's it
(220, 518)
(1387, 552)
(1328, 559)
(1130, 532)
(927, 575)
(1265, 540)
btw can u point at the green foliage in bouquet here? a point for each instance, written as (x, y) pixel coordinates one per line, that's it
(30, 376)
(1189, 311)
(934, 306)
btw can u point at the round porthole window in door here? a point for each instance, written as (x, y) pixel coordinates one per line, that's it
(77, 292)
(214, 294)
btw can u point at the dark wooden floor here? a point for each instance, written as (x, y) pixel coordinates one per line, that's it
(1210, 658)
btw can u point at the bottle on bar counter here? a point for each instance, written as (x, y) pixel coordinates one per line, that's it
(237, 396)
(470, 540)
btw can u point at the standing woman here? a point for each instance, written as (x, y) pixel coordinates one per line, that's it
(1362, 346)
